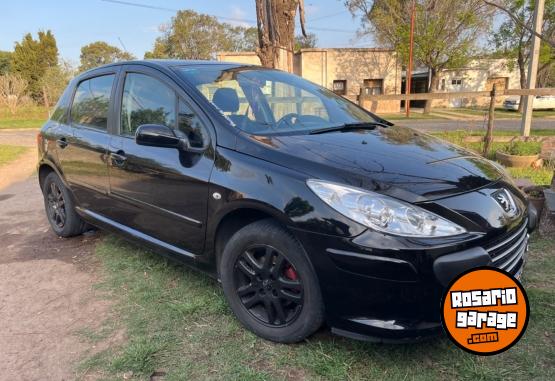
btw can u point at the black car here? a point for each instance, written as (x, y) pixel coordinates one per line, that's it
(306, 207)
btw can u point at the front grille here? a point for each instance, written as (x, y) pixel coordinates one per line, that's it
(508, 253)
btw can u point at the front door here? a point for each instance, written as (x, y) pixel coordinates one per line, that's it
(160, 192)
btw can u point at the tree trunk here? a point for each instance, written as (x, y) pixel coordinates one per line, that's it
(276, 29)
(434, 80)
(522, 73)
(45, 97)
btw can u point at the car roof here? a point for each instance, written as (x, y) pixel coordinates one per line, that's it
(166, 63)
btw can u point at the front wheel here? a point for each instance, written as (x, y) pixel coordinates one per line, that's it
(60, 209)
(270, 284)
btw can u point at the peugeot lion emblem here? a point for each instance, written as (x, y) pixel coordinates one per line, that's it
(506, 201)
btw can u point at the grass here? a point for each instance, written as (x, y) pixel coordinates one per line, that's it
(413, 115)
(177, 321)
(10, 153)
(25, 117)
(501, 112)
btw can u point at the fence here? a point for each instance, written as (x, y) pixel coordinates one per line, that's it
(364, 99)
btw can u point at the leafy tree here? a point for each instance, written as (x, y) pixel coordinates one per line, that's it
(5, 62)
(192, 35)
(513, 38)
(100, 53)
(54, 81)
(31, 58)
(303, 42)
(446, 32)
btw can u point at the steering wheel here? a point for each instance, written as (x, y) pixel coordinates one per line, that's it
(288, 119)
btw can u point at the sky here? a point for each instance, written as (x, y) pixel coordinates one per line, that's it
(77, 23)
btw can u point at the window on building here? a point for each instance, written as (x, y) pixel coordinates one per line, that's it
(456, 81)
(373, 86)
(91, 101)
(340, 86)
(443, 84)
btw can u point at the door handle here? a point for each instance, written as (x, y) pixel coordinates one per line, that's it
(62, 143)
(118, 159)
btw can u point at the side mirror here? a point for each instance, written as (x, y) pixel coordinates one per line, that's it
(156, 135)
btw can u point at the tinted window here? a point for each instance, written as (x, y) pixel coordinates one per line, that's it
(189, 124)
(146, 100)
(60, 111)
(91, 102)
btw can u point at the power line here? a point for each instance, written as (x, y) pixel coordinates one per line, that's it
(253, 22)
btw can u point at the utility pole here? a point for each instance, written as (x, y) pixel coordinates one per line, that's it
(532, 69)
(408, 82)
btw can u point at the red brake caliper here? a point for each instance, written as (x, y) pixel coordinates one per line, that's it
(290, 273)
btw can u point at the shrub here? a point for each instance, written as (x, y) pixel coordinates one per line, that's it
(520, 148)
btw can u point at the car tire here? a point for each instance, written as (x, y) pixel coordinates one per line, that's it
(60, 209)
(263, 269)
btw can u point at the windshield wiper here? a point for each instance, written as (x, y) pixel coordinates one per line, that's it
(349, 126)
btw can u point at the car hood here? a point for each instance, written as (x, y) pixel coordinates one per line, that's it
(397, 161)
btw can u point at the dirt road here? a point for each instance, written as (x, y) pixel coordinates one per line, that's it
(46, 293)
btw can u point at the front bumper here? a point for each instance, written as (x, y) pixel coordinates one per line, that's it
(381, 295)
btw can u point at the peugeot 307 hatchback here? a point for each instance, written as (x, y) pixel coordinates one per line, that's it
(306, 207)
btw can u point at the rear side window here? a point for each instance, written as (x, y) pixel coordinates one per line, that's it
(91, 102)
(146, 100)
(60, 111)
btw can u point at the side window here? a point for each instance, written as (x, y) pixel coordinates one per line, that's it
(146, 100)
(91, 102)
(60, 110)
(189, 124)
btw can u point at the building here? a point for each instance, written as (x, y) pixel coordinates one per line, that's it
(477, 75)
(374, 71)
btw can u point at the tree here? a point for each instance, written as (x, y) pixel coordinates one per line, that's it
(303, 42)
(446, 31)
(505, 7)
(54, 82)
(513, 37)
(5, 62)
(12, 91)
(100, 53)
(31, 58)
(192, 35)
(276, 29)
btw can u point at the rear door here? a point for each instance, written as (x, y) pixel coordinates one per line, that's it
(83, 151)
(161, 192)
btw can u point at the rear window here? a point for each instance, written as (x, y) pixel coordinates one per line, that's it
(91, 102)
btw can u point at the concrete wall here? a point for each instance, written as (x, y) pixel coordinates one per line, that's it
(248, 58)
(323, 66)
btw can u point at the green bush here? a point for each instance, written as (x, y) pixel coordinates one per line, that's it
(520, 148)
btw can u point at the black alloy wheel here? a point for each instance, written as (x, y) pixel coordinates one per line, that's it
(60, 208)
(56, 205)
(268, 285)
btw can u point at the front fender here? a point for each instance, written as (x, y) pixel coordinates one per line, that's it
(243, 181)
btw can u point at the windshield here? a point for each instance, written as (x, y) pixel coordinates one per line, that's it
(264, 101)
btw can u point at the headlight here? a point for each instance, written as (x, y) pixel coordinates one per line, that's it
(383, 213)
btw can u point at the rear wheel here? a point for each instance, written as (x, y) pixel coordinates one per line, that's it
(60, 209)
(270, 284)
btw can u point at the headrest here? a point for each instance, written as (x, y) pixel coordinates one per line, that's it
(226, 99)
